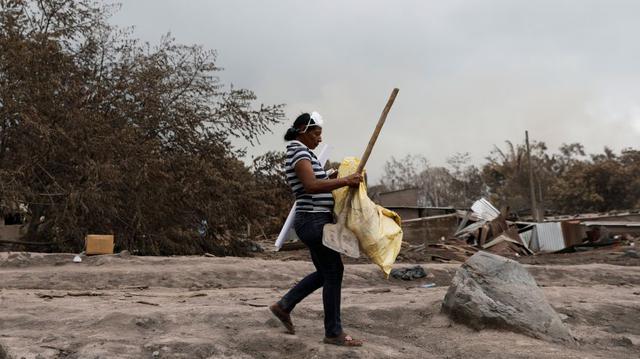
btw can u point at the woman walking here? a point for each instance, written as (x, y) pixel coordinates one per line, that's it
(314, 208)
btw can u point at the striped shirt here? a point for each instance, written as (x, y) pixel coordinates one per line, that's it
(305, 202)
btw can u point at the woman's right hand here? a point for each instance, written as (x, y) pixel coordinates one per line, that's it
(353, 180)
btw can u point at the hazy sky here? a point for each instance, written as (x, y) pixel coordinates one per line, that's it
(471, 74)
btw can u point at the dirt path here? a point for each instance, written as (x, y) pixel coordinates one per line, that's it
(199, 307)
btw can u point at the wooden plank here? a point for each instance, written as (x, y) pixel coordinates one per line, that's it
(483, 235)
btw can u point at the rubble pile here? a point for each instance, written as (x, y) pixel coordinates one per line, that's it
(459, 234)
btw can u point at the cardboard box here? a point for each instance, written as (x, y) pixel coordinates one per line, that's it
(99, 244)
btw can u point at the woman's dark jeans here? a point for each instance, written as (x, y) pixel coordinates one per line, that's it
(329, 269)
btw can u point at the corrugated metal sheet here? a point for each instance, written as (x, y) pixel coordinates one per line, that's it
(470, 228)
(526, 237)
(547, 237)
(485, 210)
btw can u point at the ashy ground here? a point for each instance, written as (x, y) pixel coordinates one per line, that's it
(201, 307)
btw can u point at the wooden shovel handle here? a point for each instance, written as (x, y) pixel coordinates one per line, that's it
(376, 132)
(372, 141)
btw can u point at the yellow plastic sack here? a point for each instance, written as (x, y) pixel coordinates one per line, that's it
(377, 228)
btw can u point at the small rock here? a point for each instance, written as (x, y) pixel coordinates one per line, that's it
(145, 323)
(156, 354)
(410, 273)
(624, 341)
(124, 254)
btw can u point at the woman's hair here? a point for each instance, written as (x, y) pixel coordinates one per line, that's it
(294, 130)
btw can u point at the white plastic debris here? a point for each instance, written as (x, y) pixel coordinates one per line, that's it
(77, 259)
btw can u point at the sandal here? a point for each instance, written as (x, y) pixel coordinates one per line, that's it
(343, 340)
(283, 316)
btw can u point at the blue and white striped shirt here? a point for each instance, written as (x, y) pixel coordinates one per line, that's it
(306, 202)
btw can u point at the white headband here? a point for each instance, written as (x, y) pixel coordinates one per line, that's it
(317, 118)
(317, 121)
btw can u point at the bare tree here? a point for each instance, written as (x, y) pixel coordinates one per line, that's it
(438, 186)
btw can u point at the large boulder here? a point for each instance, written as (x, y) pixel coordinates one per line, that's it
(490, 291)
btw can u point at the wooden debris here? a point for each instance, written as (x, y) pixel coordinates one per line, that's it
(139, 287)
(198, 295)
(147, 303)
(414, 248)
(255, 305)
(494, 234)
(61, 351)
(452, 250)
(127, 294)
(84, 294)
(378, 290)
(292, 246)
(50, 295)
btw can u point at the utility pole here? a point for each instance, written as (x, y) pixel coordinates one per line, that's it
(534, 207)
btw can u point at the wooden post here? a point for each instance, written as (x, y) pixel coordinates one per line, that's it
(534, 207)
(540, 202)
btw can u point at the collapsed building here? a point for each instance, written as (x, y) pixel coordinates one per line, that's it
(448, 234)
